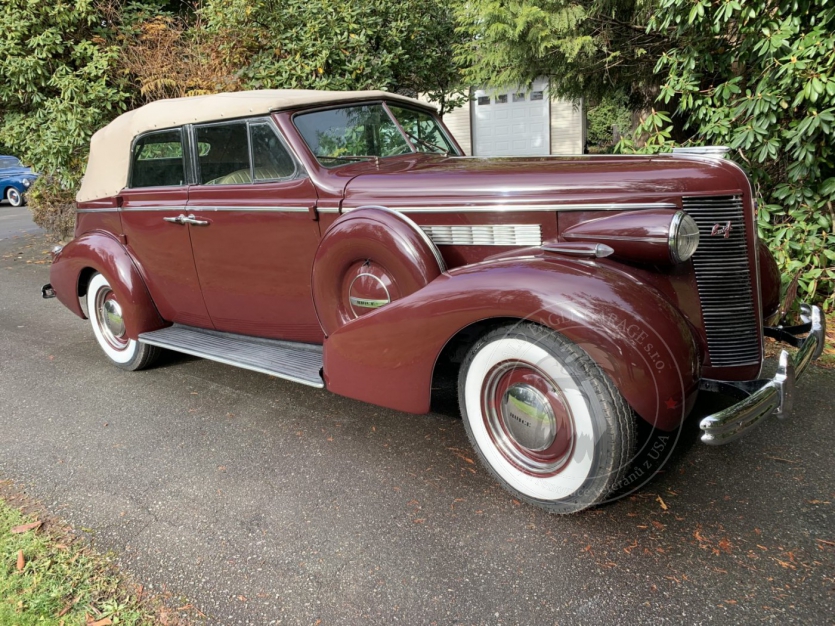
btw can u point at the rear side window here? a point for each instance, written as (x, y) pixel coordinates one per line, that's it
(224, 154)
(226, 161)
(157, 160)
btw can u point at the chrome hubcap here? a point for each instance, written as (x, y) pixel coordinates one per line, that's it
(528, 417)
(109, 318)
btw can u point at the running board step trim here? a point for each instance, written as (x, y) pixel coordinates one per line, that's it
(299, 362)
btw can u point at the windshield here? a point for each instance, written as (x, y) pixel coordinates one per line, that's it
(422, 130)
(340, 136)
(9, 162)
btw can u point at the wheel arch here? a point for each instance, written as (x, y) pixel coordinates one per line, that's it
(98, 252)
(609, 315)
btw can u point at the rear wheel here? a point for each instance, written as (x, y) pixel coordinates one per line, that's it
(544, 418)
(14, 196)
(106, 316)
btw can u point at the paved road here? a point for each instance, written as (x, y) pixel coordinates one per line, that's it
(15, 221)
(266, 502)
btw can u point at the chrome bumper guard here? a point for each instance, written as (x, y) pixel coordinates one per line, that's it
(758, 399)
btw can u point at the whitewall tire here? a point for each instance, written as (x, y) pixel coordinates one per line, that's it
(105, 313)
(14, 197)
(544, 418)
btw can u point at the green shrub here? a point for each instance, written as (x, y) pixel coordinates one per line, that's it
(612, 110)
(759, 77)
(52, 203)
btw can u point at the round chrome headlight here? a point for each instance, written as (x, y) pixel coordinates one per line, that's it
(684, 237)
(26, 182)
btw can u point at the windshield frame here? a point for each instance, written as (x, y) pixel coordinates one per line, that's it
(455, 150)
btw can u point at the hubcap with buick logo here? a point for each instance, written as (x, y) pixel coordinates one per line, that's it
(528, 418)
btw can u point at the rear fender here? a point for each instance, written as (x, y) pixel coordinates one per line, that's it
(105, 254)
(641, 341)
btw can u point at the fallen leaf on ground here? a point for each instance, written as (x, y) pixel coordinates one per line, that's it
(20, 560)
(102, 622)
(17, 530)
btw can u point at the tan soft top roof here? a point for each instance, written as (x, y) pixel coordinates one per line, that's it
(107, 168)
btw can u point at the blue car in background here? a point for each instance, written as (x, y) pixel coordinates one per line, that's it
(15, 180)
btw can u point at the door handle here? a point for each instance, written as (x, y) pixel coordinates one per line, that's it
(194, 221)
(180, 219)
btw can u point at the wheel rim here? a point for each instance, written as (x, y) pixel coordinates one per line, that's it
(109, 319)
(13, 196)
(528, 418)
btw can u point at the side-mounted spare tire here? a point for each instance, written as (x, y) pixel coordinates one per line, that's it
(366, 259)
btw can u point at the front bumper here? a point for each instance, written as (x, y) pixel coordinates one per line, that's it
(759, 399)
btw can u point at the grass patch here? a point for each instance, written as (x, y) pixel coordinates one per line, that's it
(59, 580)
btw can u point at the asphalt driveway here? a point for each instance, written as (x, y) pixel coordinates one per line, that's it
(15, 221)
(267, 502)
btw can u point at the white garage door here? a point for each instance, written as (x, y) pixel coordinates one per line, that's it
(511, 122)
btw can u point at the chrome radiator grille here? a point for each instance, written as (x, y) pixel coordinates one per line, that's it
(724, 278)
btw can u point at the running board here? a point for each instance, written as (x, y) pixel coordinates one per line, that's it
(299, 362)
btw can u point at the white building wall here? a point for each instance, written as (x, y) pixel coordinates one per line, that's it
(568, 126)
(458, 123)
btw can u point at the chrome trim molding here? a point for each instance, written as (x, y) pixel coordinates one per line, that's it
(251, 209)
(435, 252)
(617, 238)
(708, 151)
(486, 235)
(97, 210)
(597, 250)
(248, 209)
(181, 207)
(486, 208)
(367, 303)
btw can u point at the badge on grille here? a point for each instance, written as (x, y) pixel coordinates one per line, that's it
(721, 231)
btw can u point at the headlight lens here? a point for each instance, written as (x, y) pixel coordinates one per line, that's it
(26, 182)
(684, 237)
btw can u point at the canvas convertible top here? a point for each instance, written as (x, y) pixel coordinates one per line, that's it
(107, 168)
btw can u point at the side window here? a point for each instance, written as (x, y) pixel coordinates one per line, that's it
(223, 154)
(270, 159)
(158, 160)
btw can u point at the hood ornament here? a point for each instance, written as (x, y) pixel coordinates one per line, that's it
(721, 231)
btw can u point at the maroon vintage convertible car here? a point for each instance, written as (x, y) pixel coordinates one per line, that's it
(341, 240)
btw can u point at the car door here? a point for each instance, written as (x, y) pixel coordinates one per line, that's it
(254, 232)
(152, 208)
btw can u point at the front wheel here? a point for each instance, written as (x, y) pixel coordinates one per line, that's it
(105, 313)
(14, 197)
(544, 418)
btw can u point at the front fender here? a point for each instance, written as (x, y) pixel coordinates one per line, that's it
(635, 335)
(105, 254)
